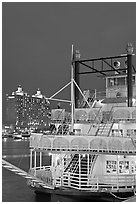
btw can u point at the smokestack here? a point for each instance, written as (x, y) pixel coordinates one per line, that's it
(129, 50)
(76, 74)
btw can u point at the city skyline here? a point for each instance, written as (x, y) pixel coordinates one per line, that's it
(17, 91)
(25, 111)
(37, 39)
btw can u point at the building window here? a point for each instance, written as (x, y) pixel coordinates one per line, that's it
(111, 167)
(123, 167)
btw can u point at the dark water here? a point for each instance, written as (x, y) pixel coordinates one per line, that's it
(14, 188)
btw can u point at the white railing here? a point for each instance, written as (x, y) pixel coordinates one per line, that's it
(31, 178)
(75, 181)
(76, 148)
(86, 181)
(118, 180)
(43, 173)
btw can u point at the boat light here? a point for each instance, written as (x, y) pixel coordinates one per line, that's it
(116, 64)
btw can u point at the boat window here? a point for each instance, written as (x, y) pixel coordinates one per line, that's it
(121, 81)
(131, 132)
(123, 167)
(111, 82)
(111, 166)
(117, 133)
(133, 167)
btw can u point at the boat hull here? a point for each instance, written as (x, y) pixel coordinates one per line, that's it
(85, 195)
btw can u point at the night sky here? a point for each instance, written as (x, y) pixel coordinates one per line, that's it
(37, 39)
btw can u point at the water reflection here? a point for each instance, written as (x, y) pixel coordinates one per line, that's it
(41, 197)
(56, 198)
(4, 139)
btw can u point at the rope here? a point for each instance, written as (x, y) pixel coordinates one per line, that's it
(106, 190)
(119, 197)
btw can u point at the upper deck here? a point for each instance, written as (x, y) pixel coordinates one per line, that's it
(108, 125)
(83, 143)
(95, 130)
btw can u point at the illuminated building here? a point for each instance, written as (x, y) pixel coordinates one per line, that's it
(26, 111)
(39, 110)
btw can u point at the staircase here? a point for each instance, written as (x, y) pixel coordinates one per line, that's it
(78, 173)
(63, 129)
(104, 129)
(73, 164)
(106, 125)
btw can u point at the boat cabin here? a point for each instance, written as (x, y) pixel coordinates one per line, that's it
(116, 86)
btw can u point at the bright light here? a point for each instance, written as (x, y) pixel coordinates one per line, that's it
(134, 101)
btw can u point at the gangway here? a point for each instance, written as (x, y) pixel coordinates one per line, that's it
(24, 174)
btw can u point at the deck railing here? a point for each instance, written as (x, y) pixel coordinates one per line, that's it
(118, 180)
(96, 116)
(74, 180)
(86, 181)
(95, 144)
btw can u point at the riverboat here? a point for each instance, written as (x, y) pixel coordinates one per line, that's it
(93, 148)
